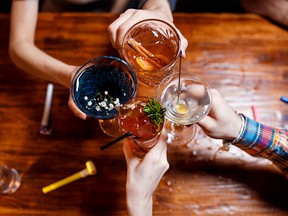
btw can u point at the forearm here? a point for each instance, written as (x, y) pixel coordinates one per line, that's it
(158, 5)
(119, 6)
(32, 60)
(139, 205)
(23, 51)
(260, 140)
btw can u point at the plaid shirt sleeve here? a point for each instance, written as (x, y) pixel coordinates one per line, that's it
(268, 142)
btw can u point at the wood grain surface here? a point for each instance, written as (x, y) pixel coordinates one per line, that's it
(244, 56)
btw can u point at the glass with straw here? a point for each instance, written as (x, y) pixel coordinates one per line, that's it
(142, 120)
(187, 99)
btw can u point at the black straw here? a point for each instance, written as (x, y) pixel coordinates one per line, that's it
(116, 140)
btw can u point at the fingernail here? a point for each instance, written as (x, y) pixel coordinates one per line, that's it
(82, 116)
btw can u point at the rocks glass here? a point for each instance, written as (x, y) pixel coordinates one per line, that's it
(151, 47)
(9, 180)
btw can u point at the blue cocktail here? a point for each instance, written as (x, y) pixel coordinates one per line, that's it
(102, 84)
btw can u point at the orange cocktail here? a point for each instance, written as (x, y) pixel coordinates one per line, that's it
(144, 118)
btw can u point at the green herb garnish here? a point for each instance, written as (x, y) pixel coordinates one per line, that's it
(155, 111)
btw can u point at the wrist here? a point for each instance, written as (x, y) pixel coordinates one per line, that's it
(68, 75)
(162, 6)
(238, 131)
(139, 205)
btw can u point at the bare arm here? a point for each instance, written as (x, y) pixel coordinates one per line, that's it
(30, 58)
(143, 176)
(119, 6)
(162, 6)
(23, 51)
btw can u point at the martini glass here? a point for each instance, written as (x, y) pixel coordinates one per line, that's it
(99, 86)
(186, 101)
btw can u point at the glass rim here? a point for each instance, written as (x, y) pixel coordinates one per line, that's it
(82, 68)
(176, 75)
(99, 58)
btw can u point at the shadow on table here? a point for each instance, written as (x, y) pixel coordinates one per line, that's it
(267, 182)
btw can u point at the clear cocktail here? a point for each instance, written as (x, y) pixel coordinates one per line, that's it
(185, 105)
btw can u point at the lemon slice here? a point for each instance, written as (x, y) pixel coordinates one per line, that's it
(181, 108)
(145, 64)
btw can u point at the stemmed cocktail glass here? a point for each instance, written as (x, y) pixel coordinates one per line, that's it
(99, 86)
(186, 101)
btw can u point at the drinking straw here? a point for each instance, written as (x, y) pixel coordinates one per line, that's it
(116, 140)
(44, 128)
(255, 113)
(284, 99)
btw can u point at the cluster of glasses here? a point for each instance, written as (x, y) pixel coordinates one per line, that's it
(105, 88)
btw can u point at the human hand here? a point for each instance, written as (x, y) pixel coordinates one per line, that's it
(120, 26)
(143, 176)
(72, 106)
(222, 122)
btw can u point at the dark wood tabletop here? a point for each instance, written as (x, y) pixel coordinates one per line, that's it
(244, 56)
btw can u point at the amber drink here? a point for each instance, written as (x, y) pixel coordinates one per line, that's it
(151, 47)
(135, 117)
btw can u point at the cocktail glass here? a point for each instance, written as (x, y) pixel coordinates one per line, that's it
(186, 102)
(133, 117)
(99, 86)
(151, 47)
(10, 180)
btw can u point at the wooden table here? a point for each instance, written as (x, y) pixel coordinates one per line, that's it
(244, 56)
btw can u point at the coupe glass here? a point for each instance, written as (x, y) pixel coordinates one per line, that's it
(145, 132)
(151, 47)
(186, 101)
(99, 86)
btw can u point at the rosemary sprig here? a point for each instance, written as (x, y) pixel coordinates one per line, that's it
(155, 111)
